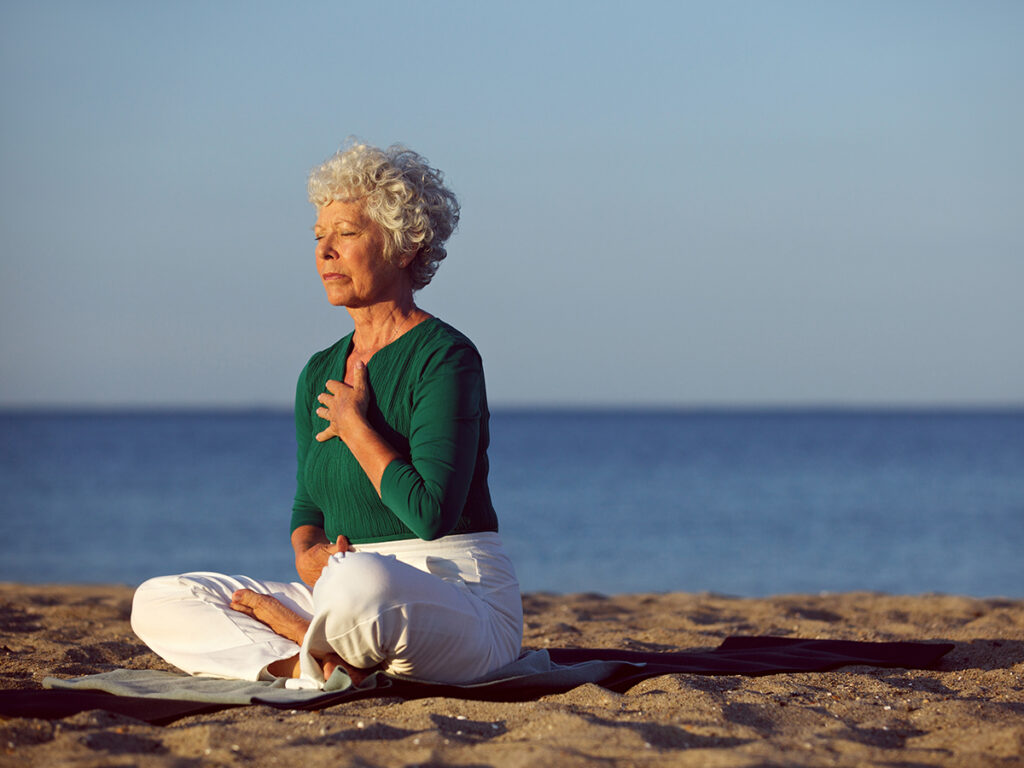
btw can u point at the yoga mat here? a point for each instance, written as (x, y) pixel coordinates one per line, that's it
(162, 697)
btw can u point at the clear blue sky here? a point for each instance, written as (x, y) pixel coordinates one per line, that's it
(716, 203)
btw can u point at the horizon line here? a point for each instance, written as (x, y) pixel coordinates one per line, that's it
(545, 407)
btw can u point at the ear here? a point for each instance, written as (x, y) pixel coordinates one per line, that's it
(408, 258)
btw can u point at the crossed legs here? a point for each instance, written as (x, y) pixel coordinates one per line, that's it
(289, 624)
(367, 611)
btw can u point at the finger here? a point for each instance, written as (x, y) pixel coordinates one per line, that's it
(323, 413)
(334, 387)
(341, 545)
(327, 434)
(359, 381)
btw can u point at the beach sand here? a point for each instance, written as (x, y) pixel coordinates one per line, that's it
(969, 712)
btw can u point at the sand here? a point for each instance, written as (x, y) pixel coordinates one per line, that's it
(969, 712)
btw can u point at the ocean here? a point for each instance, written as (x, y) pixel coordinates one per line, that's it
(746, 503)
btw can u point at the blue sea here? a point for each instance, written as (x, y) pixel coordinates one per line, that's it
(736, 502)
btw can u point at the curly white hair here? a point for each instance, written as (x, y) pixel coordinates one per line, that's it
(405, 197)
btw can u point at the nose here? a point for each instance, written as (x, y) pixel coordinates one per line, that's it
(323, 250)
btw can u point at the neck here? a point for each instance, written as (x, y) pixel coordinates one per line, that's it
(380, 324)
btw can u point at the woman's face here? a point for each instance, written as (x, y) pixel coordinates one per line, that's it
(350, 257)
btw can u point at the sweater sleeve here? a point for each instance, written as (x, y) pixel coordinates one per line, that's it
(428, 491)
(304, 509)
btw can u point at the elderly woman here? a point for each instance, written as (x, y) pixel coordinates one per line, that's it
(394, 533)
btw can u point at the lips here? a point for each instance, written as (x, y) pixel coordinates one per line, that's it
(332, 276)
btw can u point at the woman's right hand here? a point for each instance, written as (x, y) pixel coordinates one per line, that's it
(313, 550)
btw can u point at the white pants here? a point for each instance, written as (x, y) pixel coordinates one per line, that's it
(447, 611)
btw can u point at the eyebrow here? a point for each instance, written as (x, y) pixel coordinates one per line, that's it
(335, 225)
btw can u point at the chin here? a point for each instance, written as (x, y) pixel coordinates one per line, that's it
(338, 298)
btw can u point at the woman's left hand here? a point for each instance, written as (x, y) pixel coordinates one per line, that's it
(344, 406)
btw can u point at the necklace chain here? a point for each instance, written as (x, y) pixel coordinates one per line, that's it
(397, 332)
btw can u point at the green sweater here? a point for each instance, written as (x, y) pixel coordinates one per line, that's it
(428, 402)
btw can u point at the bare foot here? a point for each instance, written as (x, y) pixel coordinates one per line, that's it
(332, 661)
(329, 662)
(285, 622)
(285, 667)
(272, 612)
